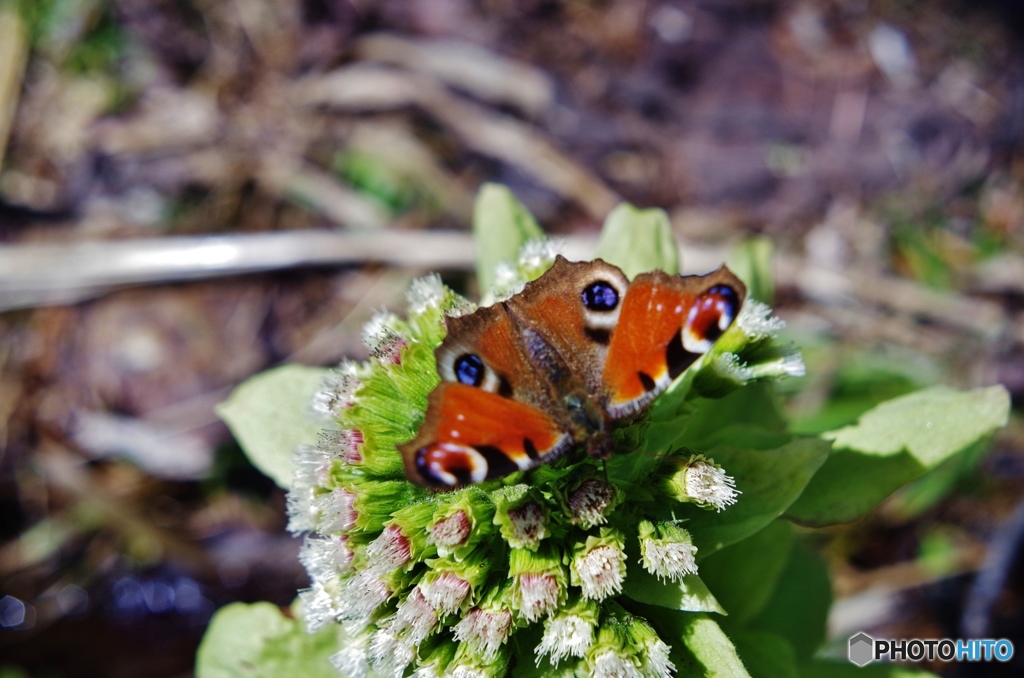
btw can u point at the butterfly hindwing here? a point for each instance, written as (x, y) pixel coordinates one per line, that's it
(471, 435)
(665, 324)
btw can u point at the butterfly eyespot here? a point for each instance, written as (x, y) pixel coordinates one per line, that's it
(451, 464)
(709, 318)
(600, 296)
(469, 370)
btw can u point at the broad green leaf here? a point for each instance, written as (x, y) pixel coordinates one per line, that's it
(501, 225)
(700, 423)
(893, 444)
(855, 383)
(931, 424)
(638, 240)
(798, 609)
(743, 576)
(269, 415)
(849, 485)
(825, 668)
(769, 481)
(753, 405)
(689, 595)
(766, 654)
(699, 646)
(258, 641)
(915, 498)
(751, 261)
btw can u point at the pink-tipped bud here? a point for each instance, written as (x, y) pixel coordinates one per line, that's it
(363, 593)
(337, 511)
(388, 551)
(389, 350)
(390, 653)
(415, 617)
(446, 593)
(453, 531)
(539, 594)
(485, 631)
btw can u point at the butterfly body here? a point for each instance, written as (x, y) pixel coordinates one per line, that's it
(555, 366)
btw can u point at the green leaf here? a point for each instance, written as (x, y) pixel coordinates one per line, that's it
(849, 485)
(700, 423)
(751, 261)
(705, 650)
(798, 609)
(925, 492)
(258, 641)
(931, 424)
(501, 225)
(689, 595)
(269, 416)
(638, 241)
(825, 668)
(768, 655)
(743, 576)
(894, 443)
(754, 405)
(770, 480)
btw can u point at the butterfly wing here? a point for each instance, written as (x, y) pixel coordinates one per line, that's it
(666, 322)
(471, 435)
(572, 336)
(488, 417)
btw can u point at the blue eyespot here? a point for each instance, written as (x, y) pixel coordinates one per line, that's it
(600, 296)
(469, 370)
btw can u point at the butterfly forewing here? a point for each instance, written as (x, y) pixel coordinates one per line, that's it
(485, 350)
(665, 324)
(574, 306)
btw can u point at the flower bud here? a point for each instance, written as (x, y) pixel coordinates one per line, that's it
(666, 550)
(338, 391)
(467, 663)
(569, 632)
(590, 503)
(353, 661)
(326, 558)
(484, 630)
(458, 526)
(703, 483)
(539, 581)
(599, 565)
(311, 470)
(451, 584)
(520, 516)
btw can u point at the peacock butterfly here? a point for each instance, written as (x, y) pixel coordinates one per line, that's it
(530, 378)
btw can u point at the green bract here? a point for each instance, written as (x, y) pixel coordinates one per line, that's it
(571, 568)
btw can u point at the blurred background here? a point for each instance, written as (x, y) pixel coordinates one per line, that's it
(192, 191)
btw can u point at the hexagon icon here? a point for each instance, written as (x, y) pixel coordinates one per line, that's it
(862, 649)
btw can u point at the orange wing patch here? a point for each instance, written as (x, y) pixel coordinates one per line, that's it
(666, 323)
(636, 369)
(471, 435)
